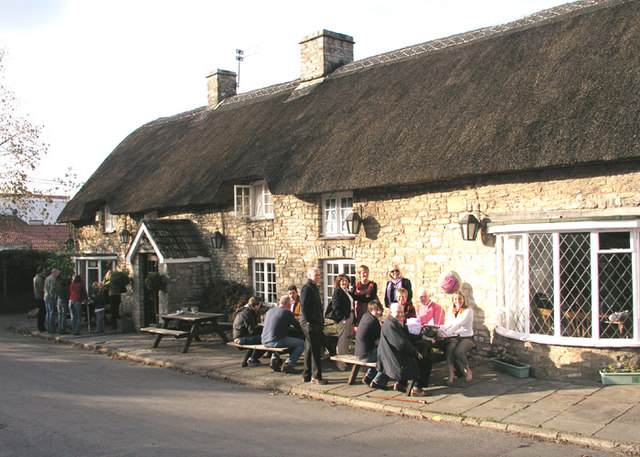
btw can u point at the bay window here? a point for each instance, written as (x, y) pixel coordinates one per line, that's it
(569, 283)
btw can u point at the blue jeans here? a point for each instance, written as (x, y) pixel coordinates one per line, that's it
(373, 357)
(50, 318)
(62, 317)
(296, 345)
(76, 316)
(100, 321)
(251, 339)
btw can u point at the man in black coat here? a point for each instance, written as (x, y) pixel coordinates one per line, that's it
(312, 323)
(397, 356)
(245, 328)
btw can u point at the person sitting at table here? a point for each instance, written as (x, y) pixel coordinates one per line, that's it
(397, 356)
(408, 310)
(294, 297)
(428, 311)
(277, 323)
(459, 337)
(245, 328)
(395, 283)
(367, 338)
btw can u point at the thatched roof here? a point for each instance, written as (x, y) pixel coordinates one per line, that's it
(557, 89)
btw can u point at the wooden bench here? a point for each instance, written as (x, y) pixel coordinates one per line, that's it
(257, 347)
(351, 359)
(164, 332)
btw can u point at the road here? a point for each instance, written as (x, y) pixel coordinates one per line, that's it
(61, 401)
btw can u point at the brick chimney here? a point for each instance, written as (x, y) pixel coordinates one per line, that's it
(221, 84)
(323, 52)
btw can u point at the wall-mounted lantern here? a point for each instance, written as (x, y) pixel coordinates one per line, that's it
(70, 243)
(216, 240)
(124, 236)
(354, 222)
(469, 227)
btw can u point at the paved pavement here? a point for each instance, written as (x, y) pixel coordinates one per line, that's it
(602, 417)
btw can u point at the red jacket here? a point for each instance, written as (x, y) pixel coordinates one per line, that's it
(77, 292)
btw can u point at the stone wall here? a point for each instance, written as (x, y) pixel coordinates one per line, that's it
(418, 229)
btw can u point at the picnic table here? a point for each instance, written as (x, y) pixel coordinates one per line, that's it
(195, 321)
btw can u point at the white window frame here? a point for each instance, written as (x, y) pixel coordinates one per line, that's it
(335, 209)
(110, 220)
(337, 267)
(253, 201)
(264, 280)
(82, 267)
(506, 234)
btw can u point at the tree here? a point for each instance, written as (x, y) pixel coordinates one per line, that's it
(21, 150)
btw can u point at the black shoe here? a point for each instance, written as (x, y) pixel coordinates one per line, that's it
(276, 364)
(253, 362)
(286, 368)
(305, 379)
(367, 380)
(375, 385)
(399, 387)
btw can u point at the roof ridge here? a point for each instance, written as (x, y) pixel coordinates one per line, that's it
(467, 37)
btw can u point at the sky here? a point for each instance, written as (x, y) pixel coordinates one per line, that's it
(91, 72)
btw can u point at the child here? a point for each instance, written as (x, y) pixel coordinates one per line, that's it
(98, 304)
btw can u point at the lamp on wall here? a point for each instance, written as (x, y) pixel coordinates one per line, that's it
(354, 222)
(216, 240)
(125, 235)
(470, 225)
(70, 243)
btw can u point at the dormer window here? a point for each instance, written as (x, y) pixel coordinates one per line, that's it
(253, 201)
(109, 220)
(335, 209)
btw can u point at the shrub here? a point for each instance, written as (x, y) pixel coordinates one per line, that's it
(223, 296)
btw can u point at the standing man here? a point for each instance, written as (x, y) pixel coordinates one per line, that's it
(50, 300)
(312, 313)
(275, 333)
(38, 291)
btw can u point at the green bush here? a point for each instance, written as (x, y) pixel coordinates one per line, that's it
(17, 269)
(223, 296)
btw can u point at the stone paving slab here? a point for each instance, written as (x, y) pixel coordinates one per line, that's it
(624, 428)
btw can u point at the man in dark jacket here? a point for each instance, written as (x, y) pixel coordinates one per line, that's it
(38, 292)
(245, 328)
(312, 323)
(397, 357)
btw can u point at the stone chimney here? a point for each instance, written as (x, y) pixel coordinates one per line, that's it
(323, 52)
(221, 84)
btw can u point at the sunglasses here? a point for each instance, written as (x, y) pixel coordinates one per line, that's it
(394, 271)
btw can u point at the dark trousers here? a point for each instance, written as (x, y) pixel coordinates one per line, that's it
(313, 345)
(42, 312)
(114, 303)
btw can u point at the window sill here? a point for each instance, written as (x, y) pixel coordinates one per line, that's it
(568, 341)
(336, 237)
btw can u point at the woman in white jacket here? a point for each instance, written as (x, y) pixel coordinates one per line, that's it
(459, 337)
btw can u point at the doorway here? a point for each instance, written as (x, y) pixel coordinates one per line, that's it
(149, 264)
